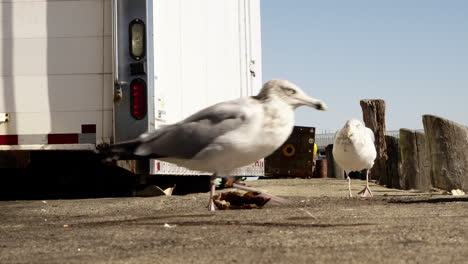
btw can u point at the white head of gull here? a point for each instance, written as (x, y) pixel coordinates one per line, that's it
(227, 135)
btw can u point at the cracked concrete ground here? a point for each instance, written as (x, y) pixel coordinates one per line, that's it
(319, 225)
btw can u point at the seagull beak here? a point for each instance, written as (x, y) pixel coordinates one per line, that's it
(349, 133)
(315, 103)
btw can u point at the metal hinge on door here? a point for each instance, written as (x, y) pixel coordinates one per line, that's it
(252, 68)
(118, 94)
(4, 117)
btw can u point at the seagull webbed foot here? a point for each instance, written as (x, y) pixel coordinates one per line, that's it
(211, 205)
(366, 192)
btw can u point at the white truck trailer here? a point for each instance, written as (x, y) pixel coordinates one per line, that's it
(75, 74)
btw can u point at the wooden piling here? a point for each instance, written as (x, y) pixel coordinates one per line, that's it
(333, 170)
(447, 143)
(374, 117)
(415, 166)
(393, 163)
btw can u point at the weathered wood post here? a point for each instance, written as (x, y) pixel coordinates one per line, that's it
(333, 170)
(393, 162)
(447, 143)
(415, 166)
(374, 117)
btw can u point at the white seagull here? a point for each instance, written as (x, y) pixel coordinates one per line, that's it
(227, 135)
(354, 150)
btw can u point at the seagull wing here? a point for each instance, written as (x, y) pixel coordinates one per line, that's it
(370, 133)
(188, 137)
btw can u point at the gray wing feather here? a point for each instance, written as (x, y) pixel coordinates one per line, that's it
(188, 137)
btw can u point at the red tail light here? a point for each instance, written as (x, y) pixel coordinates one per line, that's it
(138, 99)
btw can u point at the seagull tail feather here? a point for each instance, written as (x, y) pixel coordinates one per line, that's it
(119, 151)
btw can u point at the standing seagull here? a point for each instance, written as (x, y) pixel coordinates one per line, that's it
(354, 150)
(227, 135)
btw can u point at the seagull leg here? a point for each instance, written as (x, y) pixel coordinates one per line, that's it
(211, 205)
(349, 185)
(366, 192)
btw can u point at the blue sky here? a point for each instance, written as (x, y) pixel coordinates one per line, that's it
(411, 53)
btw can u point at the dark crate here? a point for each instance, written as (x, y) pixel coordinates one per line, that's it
(294, 157)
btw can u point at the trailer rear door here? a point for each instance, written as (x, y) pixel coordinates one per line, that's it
(205, 52)
(55, 74)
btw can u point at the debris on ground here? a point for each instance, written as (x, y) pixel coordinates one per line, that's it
(237, 200)
(153, 190)
(457, 192)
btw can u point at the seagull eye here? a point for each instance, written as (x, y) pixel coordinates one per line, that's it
(289, 90)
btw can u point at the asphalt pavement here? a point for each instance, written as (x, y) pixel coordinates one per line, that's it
(318, 225)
